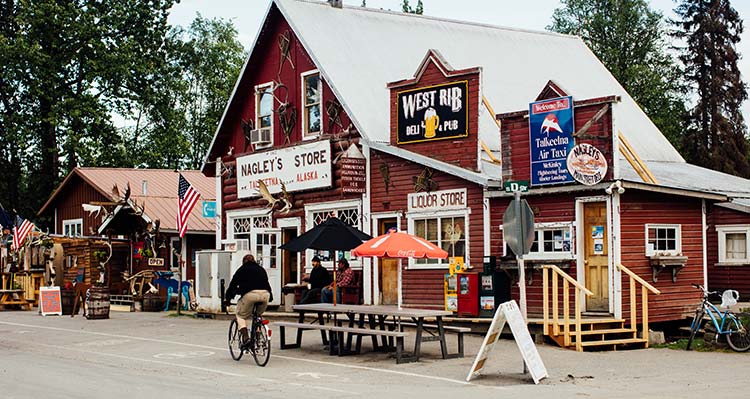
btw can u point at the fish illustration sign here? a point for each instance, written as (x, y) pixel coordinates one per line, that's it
(551, 139)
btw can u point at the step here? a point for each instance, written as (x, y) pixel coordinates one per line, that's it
(614, 342)
(572, 321)
(607, 331)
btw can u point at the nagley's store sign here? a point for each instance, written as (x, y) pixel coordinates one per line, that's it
(437, 200)
(302, 167)
(433, 113)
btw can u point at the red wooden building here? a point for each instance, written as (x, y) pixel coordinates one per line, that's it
(442, 113)
(154, 190)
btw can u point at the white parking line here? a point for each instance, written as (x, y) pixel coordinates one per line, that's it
(349, 366)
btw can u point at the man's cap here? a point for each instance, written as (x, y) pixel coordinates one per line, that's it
(315, 258)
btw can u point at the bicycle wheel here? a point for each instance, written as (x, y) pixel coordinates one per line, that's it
(235, 341)
(262, 345)
(738, 335)
(695, 325)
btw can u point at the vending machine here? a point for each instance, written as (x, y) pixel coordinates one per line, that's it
(468, 294)
(487, 282)
(451, 299)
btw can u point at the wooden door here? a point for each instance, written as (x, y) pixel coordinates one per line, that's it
(388, 275)
(596, 255)
(288, 258)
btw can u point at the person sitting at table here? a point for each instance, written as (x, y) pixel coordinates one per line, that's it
(318, 278)
(344, 278)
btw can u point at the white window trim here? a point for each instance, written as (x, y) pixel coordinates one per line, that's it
(258, 89)
(331, 206)
(538, 227)
(678, 237)
(243, 213)
(72, 222)
(722, 238)
(303, 125)
(444, 263)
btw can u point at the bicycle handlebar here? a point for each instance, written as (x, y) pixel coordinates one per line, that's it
(706, 292)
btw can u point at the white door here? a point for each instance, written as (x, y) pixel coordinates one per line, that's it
(265, 244)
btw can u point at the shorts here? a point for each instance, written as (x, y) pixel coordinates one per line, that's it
(248, 301)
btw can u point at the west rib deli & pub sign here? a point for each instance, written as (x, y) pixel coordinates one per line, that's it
(433, 113)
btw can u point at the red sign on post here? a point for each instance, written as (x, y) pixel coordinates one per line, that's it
(49, 301)
(354, 175)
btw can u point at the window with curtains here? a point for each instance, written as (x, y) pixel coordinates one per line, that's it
(446, 231)
(734, 244)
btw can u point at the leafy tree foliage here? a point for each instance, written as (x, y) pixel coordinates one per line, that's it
(629, 38)
(406, 7)
(73, 70)
(716, 136)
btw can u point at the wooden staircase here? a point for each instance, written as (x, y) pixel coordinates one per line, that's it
(591, 333)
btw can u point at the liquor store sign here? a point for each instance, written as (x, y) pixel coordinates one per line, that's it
(301, 167)
(433, 113)
(437, 200)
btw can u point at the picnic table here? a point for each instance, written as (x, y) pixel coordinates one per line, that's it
(378, 320)
(7, 298)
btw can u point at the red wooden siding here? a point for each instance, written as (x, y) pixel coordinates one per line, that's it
(735, 277)
(514, 135)
(459, 151)
(424, 287)
(636, 210)
(68, 205)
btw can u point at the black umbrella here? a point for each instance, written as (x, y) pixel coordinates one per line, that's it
(333, 234)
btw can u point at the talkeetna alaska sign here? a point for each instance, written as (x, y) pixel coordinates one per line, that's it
(301, 167)
(433, 113)
(551, 138)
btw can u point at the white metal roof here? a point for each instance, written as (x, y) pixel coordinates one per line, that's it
(359, 50)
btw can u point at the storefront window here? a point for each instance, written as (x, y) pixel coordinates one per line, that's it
(445, 232)
(350, 216)
(664, 239)
(734, 244)
(551, 241)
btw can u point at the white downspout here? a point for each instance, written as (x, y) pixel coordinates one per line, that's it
(703, 236)
(367, 269)
(219, 197)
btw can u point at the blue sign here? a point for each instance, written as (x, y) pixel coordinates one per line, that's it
(550, 140)
(209, 209)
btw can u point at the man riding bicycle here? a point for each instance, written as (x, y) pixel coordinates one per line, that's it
(250, 282)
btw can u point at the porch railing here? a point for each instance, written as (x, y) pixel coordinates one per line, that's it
(645, 289)
(553, 273)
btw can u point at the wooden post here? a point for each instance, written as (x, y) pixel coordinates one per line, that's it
(566, 311)
(555, 304)
(644, 298)
(633, 306)
(579, 343)
(545, 299)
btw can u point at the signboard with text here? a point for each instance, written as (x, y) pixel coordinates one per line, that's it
(49, 301)
(437, 200)
(353, 175)
(551, 126)
(301, 167)
(208, 209)
(433, 113)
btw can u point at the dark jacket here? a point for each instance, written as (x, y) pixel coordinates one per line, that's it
(250, 276)
(319, 277)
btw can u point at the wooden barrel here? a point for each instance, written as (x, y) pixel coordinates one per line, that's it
(153, 302)
(97, 303)
(66, 301)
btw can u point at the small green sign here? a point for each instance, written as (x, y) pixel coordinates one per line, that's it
(521, 186)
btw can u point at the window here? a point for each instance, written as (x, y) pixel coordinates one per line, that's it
(734, 244)
(264, 111)
(73, 227)
(311, 96)
(348, 212)
(663, 239)
(447, 232)
(551, 241)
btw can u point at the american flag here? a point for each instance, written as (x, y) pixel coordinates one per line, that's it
(188, 199)
(20, 231)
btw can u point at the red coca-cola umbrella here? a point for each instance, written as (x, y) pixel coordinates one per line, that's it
(399, 245)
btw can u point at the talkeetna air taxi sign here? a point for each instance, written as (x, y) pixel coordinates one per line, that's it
(551, 139)
(433, 113)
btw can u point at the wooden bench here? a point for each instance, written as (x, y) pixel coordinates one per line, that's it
(337, 335)
(6, 298)
(433, 336)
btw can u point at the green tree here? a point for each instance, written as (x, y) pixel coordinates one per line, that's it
(716, 136)
(406, 7)
(630, 40)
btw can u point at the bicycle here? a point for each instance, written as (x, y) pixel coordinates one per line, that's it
(260, 340)
(736, 327)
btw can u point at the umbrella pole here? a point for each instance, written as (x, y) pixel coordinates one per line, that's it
(400, 299)
(335, 266)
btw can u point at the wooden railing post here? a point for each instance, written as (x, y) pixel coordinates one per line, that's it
(644, 315)
(555, 305)
(645, 288)
(545, 299)
(633, 306)
(566, 311)
(579, 343)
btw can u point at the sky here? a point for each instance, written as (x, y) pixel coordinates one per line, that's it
(247, 15)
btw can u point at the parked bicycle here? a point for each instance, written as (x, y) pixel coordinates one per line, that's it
(260, 340)
(736, 327)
